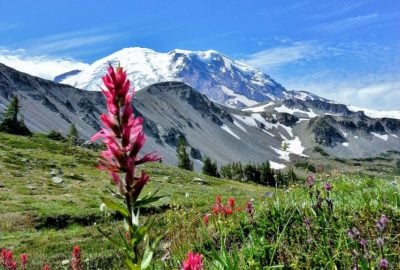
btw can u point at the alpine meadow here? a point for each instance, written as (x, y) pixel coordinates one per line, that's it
(199, 135)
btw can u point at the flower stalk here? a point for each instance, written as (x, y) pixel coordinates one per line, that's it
(123, 137)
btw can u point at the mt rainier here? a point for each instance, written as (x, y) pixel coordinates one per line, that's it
(223, 80)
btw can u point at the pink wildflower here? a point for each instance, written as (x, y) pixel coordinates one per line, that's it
(7, 260)
(24, 260)
(46, 267)
(76, 258)
(231, 202)
(123, 135)
(310, 181)
(206, 219)
(194, 261)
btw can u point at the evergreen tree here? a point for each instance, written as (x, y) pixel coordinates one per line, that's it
(10, 122)
(279, 178)
(267, 174)
(184, 161)
(210, 168)
(12, 110)
(226, 171)
(73, 136)
(237, 171)
(291, 175)
(207, 166)
(248, 172)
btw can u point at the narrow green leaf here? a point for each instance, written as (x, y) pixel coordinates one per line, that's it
(130, 265)
(115, 206)
(147, 200)
(147, 256)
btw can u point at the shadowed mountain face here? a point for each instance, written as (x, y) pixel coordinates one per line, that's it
(171, 110)
(51, 106)
(174, 109)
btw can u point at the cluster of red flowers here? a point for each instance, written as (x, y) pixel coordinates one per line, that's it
(194, 261)
(7, 260)
(219, 208)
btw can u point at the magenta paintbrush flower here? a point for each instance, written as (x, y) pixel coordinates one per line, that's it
(122, 134)
(194, 261)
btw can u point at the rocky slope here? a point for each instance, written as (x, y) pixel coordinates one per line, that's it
(279, 131)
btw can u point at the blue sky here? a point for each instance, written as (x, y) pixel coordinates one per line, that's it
(348, 51)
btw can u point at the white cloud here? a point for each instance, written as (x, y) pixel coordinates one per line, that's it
(42, 66)
(279, 56)
(69, 42)
(363, 92)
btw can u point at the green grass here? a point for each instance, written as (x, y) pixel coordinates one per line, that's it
(46, 220)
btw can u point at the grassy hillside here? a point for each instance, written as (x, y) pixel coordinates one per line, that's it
(290, 228)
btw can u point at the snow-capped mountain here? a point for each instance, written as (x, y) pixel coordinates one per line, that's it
(221, 79)
(280, 131)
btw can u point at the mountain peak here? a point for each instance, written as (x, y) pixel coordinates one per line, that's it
(222, 79)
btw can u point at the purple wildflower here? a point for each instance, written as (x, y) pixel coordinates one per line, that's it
(382, 223)
(310, 181)
(363, 242)
(384, 264)
(328, 186)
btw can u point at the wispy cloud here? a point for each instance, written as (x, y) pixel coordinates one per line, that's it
(70, 41)
(283, 55)
(347, 23)
(331, 9)
(41, 66)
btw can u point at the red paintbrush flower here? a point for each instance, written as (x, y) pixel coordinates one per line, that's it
(123, 135)
(194, 261)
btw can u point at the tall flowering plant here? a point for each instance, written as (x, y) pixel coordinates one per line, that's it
(123, 137)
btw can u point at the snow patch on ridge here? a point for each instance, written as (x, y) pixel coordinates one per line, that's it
(227, 129)
(380, 136)
(285, 109)
(248, 120)
(276, 165)
(258, 108)
(237, 98)
(375, 113)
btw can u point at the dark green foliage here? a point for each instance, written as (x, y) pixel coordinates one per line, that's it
(321, 151)
(73, 136)
(266, 174)
(210, 168)
(226, 171)
(305, 165)
(251, 173)
(11, 123)
(184, 161)
(291, 175)
(258, 173)
(397, 168)
(55, 135)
